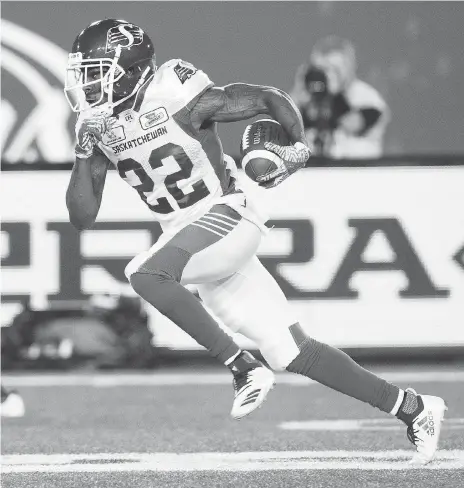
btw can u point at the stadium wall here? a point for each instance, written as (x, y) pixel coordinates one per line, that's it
(370, 257)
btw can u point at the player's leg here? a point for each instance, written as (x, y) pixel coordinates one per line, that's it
(423, 414)
(212, 247)
(250, 302)
(156, 276)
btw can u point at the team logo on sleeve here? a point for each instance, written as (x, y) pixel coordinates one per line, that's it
(184, 71)
(126, 36)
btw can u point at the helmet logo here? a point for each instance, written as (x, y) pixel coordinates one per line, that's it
(126, 36)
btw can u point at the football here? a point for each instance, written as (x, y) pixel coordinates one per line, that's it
(256, 159)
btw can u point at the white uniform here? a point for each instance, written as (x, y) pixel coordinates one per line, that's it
(180, 172)
(154, 149)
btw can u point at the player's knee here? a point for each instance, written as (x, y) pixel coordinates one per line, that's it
(284, 347)
(156, 289)
(168, 262)
(133, 265)
(278, 365)
(147, 284)
(279, 355)
(303, 362)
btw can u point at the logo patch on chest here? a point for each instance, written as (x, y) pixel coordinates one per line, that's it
(128, 117)
(154, 117)
(114, 135)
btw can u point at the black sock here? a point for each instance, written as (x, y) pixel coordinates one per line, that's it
(243, 363)
(335, 369)
(410, 407)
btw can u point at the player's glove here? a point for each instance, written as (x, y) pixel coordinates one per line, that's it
(293, 158)
(90, 132)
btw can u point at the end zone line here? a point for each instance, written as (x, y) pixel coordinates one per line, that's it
(215, 461)
(200, 378)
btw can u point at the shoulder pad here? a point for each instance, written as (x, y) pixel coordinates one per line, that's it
(184, 80)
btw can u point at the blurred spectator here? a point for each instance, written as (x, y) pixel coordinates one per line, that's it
(127, 318)
(16, 336)
(344, 117)
(108, 331)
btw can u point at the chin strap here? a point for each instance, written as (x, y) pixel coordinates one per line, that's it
(137, 87)
(111, 77)
(141, 81)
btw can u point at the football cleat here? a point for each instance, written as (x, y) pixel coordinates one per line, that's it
(251, 389)
(424, 432)
(12, 406)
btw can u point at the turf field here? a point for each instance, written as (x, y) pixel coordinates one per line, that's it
(172, 429)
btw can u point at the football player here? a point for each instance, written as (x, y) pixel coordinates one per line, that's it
(157, 127)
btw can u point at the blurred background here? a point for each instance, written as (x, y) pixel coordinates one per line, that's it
(368, 243)
(409, 51)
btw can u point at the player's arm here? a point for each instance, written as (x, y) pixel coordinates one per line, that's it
(85, 189)
(241, 101)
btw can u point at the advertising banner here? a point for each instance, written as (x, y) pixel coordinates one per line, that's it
(366, 256)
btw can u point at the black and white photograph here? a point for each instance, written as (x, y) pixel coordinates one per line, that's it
(232, 244)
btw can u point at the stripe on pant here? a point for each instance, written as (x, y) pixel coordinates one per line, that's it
(221, 233)
(215, 220)
(217, 223)
(223, 217)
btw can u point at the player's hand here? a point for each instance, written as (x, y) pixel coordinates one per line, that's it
(91, 131)
(274, 182)
(293, 158)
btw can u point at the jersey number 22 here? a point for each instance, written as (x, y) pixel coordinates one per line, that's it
(146, 186)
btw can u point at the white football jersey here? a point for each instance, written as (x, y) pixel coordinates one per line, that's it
(177, 170)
